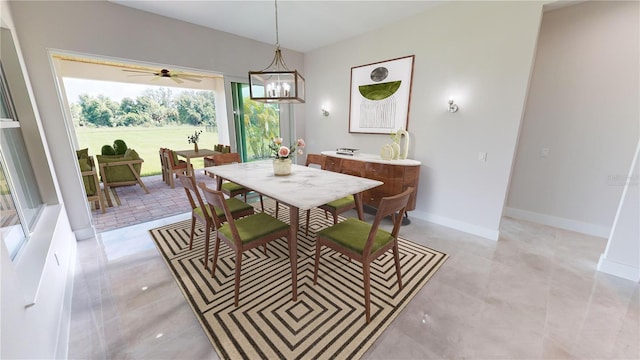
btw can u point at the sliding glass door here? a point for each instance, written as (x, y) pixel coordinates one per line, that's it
(256, 123)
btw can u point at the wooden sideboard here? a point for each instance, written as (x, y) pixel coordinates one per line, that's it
(397, 175)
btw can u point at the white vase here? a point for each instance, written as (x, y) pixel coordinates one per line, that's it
(281, 167)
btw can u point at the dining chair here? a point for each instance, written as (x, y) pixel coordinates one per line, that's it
(242, 234)
(337, 207)
(230, 188)
(364, 242)
(201, 212)
(312, 159)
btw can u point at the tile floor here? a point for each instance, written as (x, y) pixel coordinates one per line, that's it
(533, 294)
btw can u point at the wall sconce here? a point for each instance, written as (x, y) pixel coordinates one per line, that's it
(324, 110)
(452, 107)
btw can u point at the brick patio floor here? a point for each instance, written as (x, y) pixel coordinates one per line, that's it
(137, 207)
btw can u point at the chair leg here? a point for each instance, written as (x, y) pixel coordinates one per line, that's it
(277, 208)
(306, 231)
(193, 229)
(215, 256)
(206, 243)
(315, 268)
(261, 203)
(265, 249)
(367, 284)
(238, 267)
(396, 257)
(335, 217)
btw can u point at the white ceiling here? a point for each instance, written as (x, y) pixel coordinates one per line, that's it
(303, 25)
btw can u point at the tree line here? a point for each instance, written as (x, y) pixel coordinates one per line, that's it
(154, 107)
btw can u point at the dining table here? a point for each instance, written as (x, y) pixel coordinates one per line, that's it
(190, 154)
(303, 189)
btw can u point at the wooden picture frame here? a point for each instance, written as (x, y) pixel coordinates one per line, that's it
(381, 96)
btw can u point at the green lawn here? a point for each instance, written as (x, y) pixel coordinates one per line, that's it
(147, 142)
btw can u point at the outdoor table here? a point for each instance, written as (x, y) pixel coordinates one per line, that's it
(189, 154)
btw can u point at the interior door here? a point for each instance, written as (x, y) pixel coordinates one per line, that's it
(256, 123)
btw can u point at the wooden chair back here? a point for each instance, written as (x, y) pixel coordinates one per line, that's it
(163, 164)
(393, 206)
(170, 159)
(316, 159)
(215, 199)
(189, 184)
(228, 158)
(352, 167)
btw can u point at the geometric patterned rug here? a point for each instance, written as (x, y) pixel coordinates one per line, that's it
(327, 320)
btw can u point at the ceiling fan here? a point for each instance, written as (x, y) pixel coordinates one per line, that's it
(165, 73)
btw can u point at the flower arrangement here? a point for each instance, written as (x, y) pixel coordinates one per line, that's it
(280, 151)
(193, 139)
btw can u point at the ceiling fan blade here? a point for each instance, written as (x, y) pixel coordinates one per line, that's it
(138, 71)
(189, 78)
(155, 78)
(176, 80)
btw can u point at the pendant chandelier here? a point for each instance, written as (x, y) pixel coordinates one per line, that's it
(280, 84)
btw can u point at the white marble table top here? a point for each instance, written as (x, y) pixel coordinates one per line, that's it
(305, 188)
(373, 158)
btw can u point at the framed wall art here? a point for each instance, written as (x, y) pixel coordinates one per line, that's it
(380, 96)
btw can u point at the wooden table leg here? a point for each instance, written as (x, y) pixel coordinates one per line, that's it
(293, 250)
(190, 171)
(358, 199)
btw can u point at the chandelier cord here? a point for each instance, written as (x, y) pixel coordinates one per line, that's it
(277, 36)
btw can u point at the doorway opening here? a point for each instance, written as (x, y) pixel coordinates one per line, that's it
(148, 107)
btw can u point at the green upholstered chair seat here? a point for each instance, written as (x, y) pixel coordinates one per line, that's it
(234, 205)
(254, 227)
(340, 203)
(353, 233)
(232, 187)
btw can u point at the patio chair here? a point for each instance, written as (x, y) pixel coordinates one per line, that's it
(91, 182)
(174, 167)
(208, 160)
(163, 165)
(364, 242)
(120, 170)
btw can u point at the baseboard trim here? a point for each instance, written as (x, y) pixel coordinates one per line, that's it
(562, 223)
(491, 234)
(617, 269)
(85, 234)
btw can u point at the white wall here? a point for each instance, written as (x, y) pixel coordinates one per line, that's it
(622, 255)
(106, 29)
(479, 52)
(583, 108)
(35, 287)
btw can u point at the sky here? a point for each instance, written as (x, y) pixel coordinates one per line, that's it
(115, 90)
